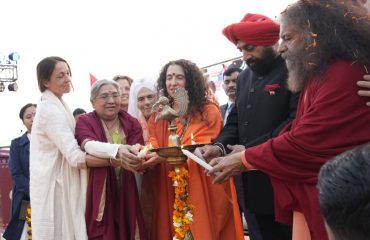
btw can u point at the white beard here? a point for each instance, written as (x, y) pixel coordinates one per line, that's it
(297, 76)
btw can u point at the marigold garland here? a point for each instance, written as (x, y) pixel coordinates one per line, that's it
(28, 222)
(182, 211)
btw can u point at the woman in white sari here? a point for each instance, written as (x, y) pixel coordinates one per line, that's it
(58, 176)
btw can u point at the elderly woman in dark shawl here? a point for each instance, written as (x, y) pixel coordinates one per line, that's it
(113, 209)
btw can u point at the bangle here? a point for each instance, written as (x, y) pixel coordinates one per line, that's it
(110, 161)
(221, 148)
(120, 159)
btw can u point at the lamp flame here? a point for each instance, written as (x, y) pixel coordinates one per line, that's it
(143, 152)
(192, 138)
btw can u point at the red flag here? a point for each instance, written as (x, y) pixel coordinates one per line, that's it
(93, 79)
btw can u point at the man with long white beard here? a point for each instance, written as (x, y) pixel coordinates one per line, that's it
(327, 49)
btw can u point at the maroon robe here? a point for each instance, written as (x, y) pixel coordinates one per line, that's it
(331, 118)
(122, 206)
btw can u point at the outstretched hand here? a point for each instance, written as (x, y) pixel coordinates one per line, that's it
(152, 159)
(365, 84)
(210, 152)
(235, 148)
(226, 167)
(128, 158)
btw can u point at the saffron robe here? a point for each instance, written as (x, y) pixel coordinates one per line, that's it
(122, 207)
(216, 214)
(331, 118)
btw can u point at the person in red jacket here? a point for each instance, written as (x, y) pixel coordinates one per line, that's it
(327, 50)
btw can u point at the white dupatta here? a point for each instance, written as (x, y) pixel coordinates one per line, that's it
(57, 186)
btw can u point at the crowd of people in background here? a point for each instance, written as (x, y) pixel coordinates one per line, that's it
(290, 150)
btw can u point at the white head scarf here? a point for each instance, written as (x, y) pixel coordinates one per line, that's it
(136, 86)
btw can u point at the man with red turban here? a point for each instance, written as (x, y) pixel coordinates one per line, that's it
(327, 50)
(254, 29)
(263, 107)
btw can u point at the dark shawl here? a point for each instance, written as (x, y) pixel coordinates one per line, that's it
(122, 207)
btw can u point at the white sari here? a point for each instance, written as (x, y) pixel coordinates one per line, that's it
(58, 178)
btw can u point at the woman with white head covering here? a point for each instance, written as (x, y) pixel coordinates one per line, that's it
(143, 95)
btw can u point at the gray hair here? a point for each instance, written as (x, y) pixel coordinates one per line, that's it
(95, 88)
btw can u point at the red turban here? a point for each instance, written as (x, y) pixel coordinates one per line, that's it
(253, 29)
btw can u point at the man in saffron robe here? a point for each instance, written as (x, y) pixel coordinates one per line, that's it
(216, 214)
(113, 209)
(326, 53)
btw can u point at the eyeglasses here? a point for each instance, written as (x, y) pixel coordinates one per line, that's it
(105, 97)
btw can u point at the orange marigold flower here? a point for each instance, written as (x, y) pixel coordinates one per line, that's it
(182, 211)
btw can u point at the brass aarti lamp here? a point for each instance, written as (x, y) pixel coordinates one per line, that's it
(175, 157)
(162, 107)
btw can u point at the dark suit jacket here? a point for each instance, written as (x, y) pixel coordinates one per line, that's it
(223, 110)
(19, 169)
(257, 117)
